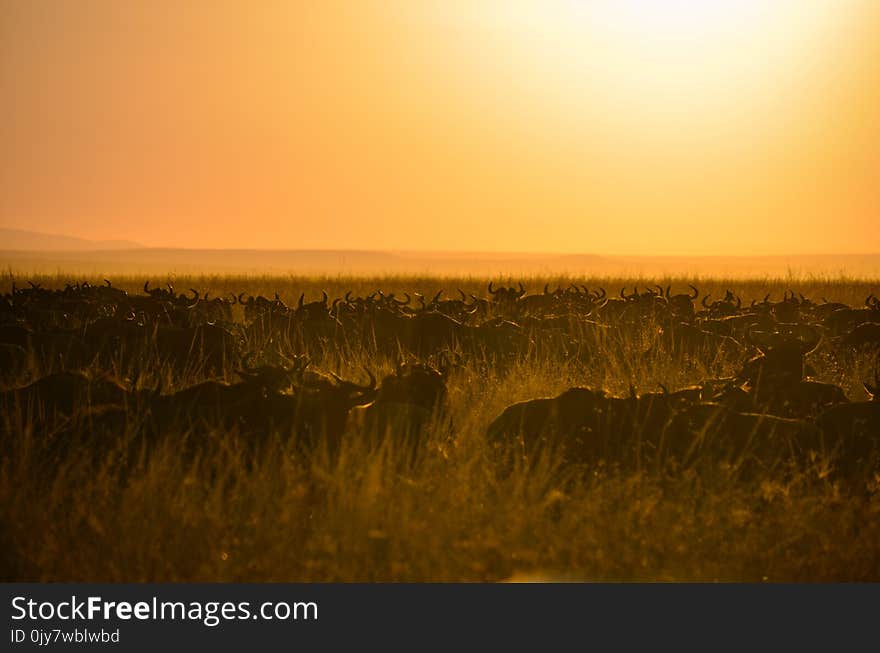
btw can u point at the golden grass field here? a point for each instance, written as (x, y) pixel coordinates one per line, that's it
(375, 515)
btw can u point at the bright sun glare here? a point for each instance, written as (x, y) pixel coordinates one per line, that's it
(703, 32)
(673, 20)
(682, 57)
(670, 18)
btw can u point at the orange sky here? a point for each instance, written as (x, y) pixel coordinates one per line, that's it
(618, 126)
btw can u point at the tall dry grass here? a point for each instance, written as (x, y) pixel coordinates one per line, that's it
(375, 514)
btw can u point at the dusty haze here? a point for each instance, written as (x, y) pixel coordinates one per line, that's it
(721, 127)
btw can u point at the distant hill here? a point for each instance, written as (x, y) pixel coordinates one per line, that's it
(33, 241)
(31, 252)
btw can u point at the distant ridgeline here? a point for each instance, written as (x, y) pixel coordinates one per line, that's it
(117, 257)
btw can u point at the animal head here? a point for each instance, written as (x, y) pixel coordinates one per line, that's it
(414, 383)
(782, 352)
(274, 378)
(506, 295)
(682, 303)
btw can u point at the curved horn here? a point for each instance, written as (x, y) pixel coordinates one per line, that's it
(302, 297)
(324, 297)
(815, 337)
(491, 292)
(705, 300)
(195, 294)
(874, 390)
(696, 292)
(757, 337)
(354, 386)
(372, 384)
(522, 290)
(443, 364)
(366, 393)
(147, 287)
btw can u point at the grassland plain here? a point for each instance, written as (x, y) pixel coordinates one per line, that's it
(375, 514)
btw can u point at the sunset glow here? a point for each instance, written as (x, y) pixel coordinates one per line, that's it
(435, 291)
(625, 127)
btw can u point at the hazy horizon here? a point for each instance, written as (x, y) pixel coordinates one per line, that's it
(723, 127)
(22, 240)
(74, 257)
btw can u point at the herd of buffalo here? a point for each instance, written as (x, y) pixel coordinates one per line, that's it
(255, 369)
